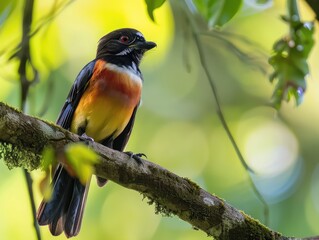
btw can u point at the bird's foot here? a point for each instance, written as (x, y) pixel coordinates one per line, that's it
(136, 156)
(86, 139)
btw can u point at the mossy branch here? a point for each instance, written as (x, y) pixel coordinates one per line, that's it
(23, 138)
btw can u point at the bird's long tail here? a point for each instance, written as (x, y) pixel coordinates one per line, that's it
(64, 211)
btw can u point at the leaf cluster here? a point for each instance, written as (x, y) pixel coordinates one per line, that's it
(290, 61)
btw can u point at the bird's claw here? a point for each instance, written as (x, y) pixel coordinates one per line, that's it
(86, 139)
(136, 156)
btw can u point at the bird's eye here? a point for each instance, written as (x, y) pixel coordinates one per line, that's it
(124, 39)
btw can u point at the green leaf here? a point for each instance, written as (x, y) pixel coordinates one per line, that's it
(207, 8)
(48, 158)
(299, 95)
(46, 187)
(226, 13)
(82, 160)
(289, 62)
(280, 45)
(152, 5)
(304, 38)
(218, 12)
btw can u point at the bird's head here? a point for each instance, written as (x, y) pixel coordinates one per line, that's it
(125, 42)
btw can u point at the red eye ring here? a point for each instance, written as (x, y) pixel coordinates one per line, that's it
(124, 39)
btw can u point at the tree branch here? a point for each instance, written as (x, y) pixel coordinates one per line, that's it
(23, 138)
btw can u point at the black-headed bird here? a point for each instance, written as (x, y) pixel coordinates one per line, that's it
(101, 105)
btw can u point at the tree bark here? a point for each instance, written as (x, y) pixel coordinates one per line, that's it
(23, 138)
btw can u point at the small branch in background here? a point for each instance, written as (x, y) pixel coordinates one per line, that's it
(225, 126)
(24, 55)
(193, 22)
(293, 11)
(25, 82)
(29, 182)
(255, 60)
(13, 48)
(56, 10)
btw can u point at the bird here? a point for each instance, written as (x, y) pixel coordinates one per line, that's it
(101, 106)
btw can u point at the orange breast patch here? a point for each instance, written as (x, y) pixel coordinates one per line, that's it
(108, 102)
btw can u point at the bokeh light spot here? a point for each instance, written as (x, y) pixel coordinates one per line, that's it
(269, 146)
(272, 151)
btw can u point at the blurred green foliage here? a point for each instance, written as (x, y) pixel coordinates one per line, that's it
(176, 125)
(218, 12)
(152, 5)
(48, 160)
(81, 161)
(290, 58)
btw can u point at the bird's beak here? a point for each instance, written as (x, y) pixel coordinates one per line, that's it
(143, 45)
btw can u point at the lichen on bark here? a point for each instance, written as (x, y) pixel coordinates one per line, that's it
(14, 156)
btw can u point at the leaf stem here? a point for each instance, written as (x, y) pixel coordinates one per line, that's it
(293, 11)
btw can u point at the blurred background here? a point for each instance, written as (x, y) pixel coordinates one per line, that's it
(177, 125)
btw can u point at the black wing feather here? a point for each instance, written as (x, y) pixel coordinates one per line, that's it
(75, 94)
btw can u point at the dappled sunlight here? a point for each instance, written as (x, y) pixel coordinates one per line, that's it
(271, 150)
(278, 187)
(270, 147)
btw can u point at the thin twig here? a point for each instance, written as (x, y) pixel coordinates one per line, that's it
(225, 126)
(55, 11)
(29, 182)
(216, 98)
(222, 118)
(25, 83)
(251, 60)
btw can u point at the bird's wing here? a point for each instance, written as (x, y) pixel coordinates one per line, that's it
(64, 210)
(75, 94)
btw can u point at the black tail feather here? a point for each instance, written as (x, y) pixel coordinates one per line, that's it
(56, 225)
(73, 218)
(64, 211)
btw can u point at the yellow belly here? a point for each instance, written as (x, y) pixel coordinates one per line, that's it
(103, 117)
